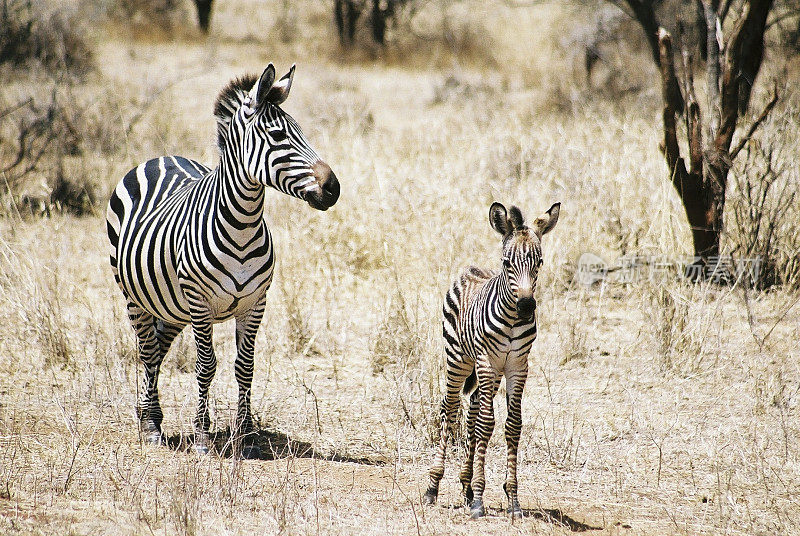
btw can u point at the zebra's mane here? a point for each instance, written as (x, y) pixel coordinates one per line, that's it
(229, 100)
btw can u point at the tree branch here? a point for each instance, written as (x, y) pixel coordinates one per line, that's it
(764, 113)
(710, 8)
(743, 58)
(694, 123)
(670, 146)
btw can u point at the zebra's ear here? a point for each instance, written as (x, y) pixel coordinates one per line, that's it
(498, 218)
(545, 223)
(280, 89)
(263, 86)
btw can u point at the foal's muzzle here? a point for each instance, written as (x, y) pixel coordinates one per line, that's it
(526, 307)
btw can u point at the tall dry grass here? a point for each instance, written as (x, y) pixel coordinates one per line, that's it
(651, 404)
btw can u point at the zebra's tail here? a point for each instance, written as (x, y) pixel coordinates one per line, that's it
(470, 382)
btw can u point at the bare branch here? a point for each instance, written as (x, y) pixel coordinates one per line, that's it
(669, 146)
(694, 123)
(764, 113)
(712, 62)
(743, 58)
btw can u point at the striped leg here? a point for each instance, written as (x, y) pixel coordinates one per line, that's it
(205, 368)
(515, 385)
(246, 330)
(466, 470)
(155, 338)
(457, 372)
(488, 383)
(148, 408)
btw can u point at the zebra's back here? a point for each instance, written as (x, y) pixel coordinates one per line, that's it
(145, 214)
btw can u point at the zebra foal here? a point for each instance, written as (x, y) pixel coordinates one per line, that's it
(189, 244)
(489, 326)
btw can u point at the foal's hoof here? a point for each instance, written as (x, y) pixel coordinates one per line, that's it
(476, 509)
(514, 511)
(429, 499)
(468, 494)
(154, 438)
(251, 452)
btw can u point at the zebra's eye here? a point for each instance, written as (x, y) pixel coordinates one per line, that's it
(278, 135)
(507, 264)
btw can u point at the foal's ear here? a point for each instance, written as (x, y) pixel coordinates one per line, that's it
(545, 223)
(279, 91)
(263, 87)
(498, 219)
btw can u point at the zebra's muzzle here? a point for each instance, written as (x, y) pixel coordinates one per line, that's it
(526, 307)
(324, 194)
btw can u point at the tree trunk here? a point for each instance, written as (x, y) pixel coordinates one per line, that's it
(702, 185)
(204, 13)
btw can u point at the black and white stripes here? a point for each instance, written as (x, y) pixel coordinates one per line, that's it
(189, 244)
(489, 326)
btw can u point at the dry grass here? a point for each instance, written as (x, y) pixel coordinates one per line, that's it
(653, 407)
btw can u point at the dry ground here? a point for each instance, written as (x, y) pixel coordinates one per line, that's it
(653, 407)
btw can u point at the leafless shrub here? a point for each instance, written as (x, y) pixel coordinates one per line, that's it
(299, 331)
(667, 315)
(765, 208)
(574, 334)
(164, 15)
(35, 31)
(47, 140)
(398, 338)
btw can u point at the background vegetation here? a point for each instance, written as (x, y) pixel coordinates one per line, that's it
(653, 406)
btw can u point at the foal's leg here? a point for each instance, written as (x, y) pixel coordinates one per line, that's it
(515, 385)
(465, 476)
(488, 383)
(457, 372)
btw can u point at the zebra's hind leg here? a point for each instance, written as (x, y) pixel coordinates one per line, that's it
(447, 417)
(148, 409)
(466, 470)
(246, 330)
(205, 369)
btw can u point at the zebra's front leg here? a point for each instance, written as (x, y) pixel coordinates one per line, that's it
(148, 409)
(488, 383)
(515, 385)
(246, 330)
(205, 368)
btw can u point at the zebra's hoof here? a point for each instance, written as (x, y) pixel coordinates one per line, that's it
(476, 509)
(468, 494)
(154, 438)
(429, 499)
(251, 452)
(514, 510)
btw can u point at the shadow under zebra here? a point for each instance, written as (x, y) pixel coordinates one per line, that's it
(553, 516)
(271, 445)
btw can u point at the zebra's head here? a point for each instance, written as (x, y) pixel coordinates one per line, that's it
(253, 130)
(522, 251)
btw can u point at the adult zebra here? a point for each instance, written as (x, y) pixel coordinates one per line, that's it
(489, 326)
(189, 244)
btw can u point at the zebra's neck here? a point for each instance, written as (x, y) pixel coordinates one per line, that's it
(506, 303)
(239, 202)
